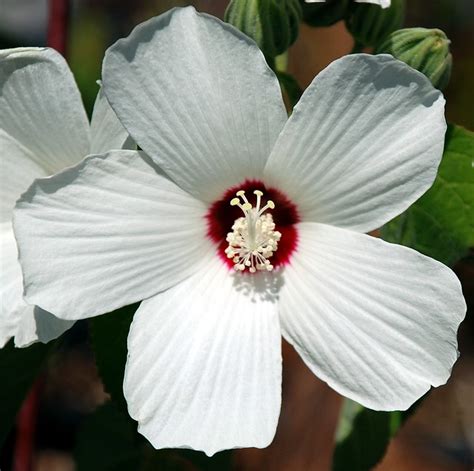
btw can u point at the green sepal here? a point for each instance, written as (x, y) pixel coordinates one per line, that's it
(272, 24)
(370, 24)
(426, 50)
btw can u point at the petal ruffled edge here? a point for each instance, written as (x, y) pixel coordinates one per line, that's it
(204, 364)
(378, 322)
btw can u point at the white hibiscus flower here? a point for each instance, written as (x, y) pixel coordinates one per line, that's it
(376, 321)
(382, 3)
(43, 129)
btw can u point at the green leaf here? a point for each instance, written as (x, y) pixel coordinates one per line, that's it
(441, 223)
(272, 24)
(19, 367)
(109, 341)
(363, 436)
(107, 441)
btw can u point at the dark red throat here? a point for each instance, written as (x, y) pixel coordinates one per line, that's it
(221, 217)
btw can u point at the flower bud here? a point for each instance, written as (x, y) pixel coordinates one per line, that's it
(324, 14)
(272, 24)
(370, 24)
(426, 50)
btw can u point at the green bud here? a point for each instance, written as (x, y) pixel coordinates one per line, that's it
(426, 50)
(370, 24)
(324, 14)
(272, 24)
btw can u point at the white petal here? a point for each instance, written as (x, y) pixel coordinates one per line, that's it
(11, 286)
(43, 127)
(382, 3)
(111, 231)
(362, 145)
(38, 325)
(42, 108)
(18, 170)
(376, 321)
(107, 133)
(204, 365)
(27, 324)
(197, 96)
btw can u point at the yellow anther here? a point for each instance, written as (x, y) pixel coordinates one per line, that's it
(246, 206)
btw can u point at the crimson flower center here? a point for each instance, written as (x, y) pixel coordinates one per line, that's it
(254, 227)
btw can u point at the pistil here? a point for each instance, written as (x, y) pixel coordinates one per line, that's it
(253, 239)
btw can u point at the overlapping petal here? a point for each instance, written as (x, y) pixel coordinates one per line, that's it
(111, 231)
(18, 169)
(376, 321)
(204, 365)
(49, 122)
(27, 324)
(42, 129)
(362, 145)
(198, 97)
(11, 286)
(107, 132)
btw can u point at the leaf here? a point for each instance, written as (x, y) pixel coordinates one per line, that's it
(441, 223)
(363, 435)
(109, 341)
(107, 441)
(19, 367)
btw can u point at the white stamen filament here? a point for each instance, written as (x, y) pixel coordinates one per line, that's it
(253, 239)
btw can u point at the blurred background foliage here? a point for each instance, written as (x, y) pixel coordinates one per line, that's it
(82, 421)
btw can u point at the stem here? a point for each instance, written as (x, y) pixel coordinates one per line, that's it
(358, 47)
(26, 428)
(58, 24)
